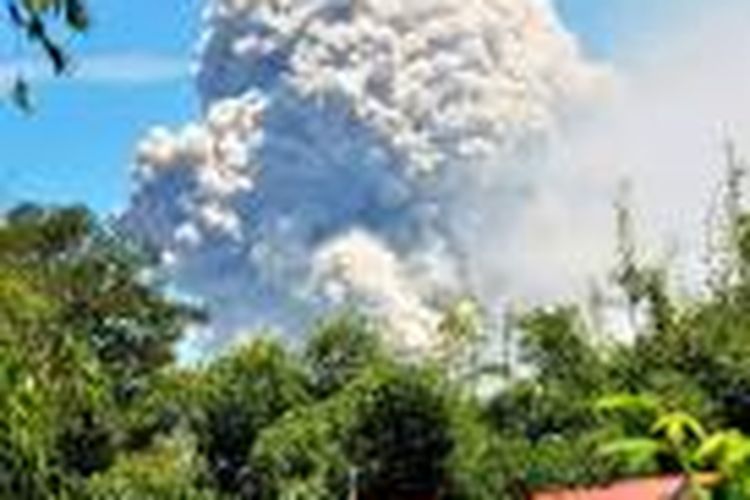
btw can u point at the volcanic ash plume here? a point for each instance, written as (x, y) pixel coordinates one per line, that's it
(346, 153)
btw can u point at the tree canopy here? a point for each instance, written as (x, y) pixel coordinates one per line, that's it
(95, 404)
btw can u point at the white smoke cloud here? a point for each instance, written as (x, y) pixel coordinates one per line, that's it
(664, 129)
(391, 153)
(357, 269)
(677, 102)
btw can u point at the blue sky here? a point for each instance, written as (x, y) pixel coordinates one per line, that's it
(78, 147)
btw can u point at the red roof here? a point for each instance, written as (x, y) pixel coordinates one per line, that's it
(657, 488)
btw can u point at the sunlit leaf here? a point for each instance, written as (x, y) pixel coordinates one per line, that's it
(628, 402)
(637, 452)
(678, 428)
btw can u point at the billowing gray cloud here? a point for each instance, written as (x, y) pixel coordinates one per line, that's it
(381, 153)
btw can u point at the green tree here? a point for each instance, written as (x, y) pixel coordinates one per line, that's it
(569, 373)
(169, 470)
(386, 435)
(401, 438)
(242, 393)
(104, 288)
(301, 456)
(339, 349)
(84, 333)
(47, 380)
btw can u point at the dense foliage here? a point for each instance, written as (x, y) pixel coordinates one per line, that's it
(93, 403)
